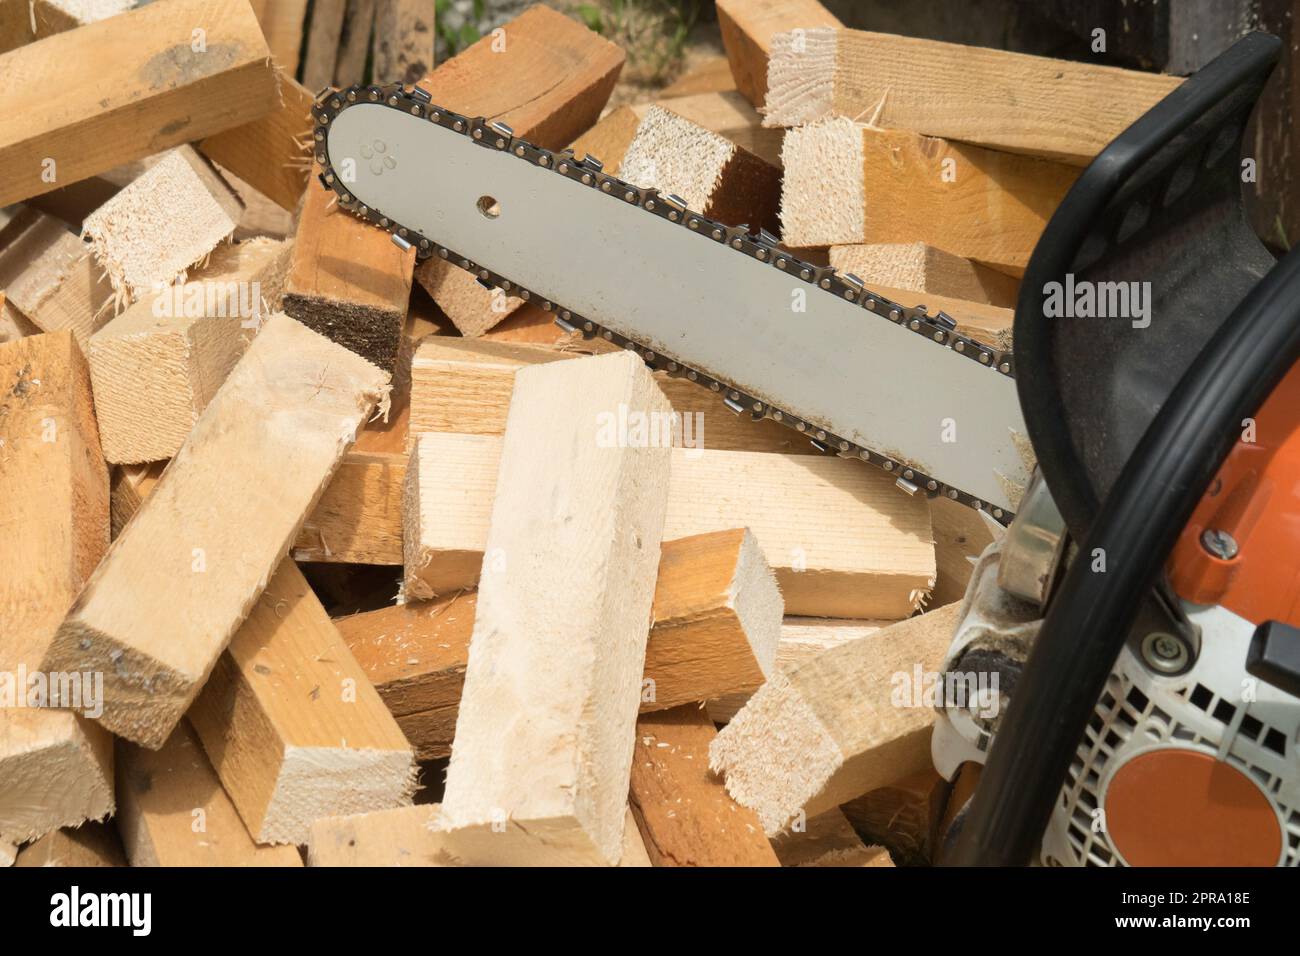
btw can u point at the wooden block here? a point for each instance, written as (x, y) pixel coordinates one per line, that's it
(91, 844)
(609, 139)
(56, 768)
(354, 43)
(748, 27)
(410, 836)
(802, 638)
(985, 323)
(320, 52)
(292, 726)
(471, 308)
(543, 74)
(848, 183)
(712, 75)
(921, 268)
(464, 386)
(684, 814)
(1007, 101)
(50, 279)
(358, 519)
(161, 224)
(716, 614)
(157, 365)
(843, 541)
(348, 281)
(904, 815)
(75, 202)
(828, 840)
(25, 21)
(75, 99)
(403, 48)
(282, 22)
(173, 812)
(569, 658)
(730, 115)
(830, 730)
(272, 154)
(250, 471)
(960, 537)
(715, 176)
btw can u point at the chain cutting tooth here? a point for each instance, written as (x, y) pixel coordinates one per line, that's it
(757, 244)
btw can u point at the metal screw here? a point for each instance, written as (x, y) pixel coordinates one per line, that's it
(1164, 653)
(1219, 544)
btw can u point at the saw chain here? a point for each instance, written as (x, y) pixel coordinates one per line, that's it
(758, 246)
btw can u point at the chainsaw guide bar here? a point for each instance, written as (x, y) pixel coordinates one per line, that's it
(366, 136)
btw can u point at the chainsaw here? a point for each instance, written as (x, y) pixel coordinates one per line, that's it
(1140, 606)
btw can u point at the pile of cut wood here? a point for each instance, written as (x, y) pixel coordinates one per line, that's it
(312, 553)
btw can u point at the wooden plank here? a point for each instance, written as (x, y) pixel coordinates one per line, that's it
(321, 50)
(50, 279)
(831, 730)
(56, 768)
(24, 21)
(409, 836)
(716, 622)
(802, 638)
(827, 840)
(403, 47)
(74, 99)
(348, 281)
(1015, 102)
(282, 23)
(354, 43)
(715, 176)
(464, 386)
(358, 519)
(960, 537)
(904, 815)
(173, 812)
(923, 268)
(272, 154)
(712, 75)
(570, 658)
(164, 222)
(543, 74)
(842, 539)
(157, 365)
(253, 466)
(91, 844)
(730, 115)
(747, 30)
(472, 309)
(684, 814)
(848, 183)
(292, 726)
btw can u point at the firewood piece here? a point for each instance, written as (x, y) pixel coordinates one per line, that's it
(715, 176)
(831, 730)
(168, 219)
(684, 814)
(91, 844)
(272, 154)
(730, 116)
(571, 659)
(994, 98)
(827, 840)
(285, 414)
(748, 27)
(849, 183)
(157, 365)
(713, 75)
(843, 541)
(322, 47)
(173, 811)
(348, 281)
(50, 279)
(75, 100)
(717, 616)
(904, 815)
(25, 21)
(922, 268)
(56, 768)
